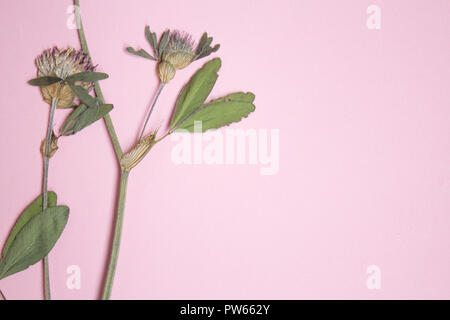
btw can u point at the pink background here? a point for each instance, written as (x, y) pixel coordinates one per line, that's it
(364, 173)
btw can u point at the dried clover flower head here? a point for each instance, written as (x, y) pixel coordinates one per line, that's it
(177, 54)
(175, 50)
(179, 51)
(62, 63)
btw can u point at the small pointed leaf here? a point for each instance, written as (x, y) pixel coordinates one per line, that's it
(163, 42)
(151, 38)
(141, 53)
(44, 81)
(87, 76)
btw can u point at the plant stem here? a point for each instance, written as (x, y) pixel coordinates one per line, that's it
(119, 153)
(98, 90)
(160, 87)
(48, 140)
(117, 235)
(2, 296)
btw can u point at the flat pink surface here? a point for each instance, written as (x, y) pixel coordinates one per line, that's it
(364, 176)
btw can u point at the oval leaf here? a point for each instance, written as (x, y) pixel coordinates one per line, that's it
(33, 209)
(68, 125)
(91, 115)
(35, 240)
(44, 81)
(87, 76)
(196, 91)
(220, 112)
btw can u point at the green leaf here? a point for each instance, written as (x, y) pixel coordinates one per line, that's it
(208, 51)
(44, 81)
(35, 240)
(221, 112)
(91, 115)
(68, 125)
(33, 209)
(163, 42)
(196, 91)
(87, 76)
(82, 117)
(204, 47)
(201, 43)
(151, 38)
(141, 53)
(84, 95)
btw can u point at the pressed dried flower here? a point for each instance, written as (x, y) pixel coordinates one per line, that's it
(175, 50)
(179, 52)
(62, 63)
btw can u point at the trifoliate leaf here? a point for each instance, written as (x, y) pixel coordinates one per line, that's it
(221, 112)
(196, 91)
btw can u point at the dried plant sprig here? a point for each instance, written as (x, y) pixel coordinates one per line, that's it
(232, 108)
(62, 75)
(175, 51)
(66, 74)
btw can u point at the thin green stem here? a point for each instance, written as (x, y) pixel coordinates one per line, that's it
(119, 153)
(2, 296)
(160, 87)
(117, 235)
(98, 90)
(48, 140)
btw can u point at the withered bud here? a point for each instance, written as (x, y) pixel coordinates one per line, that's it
(131, 159)
(53, 146)
(166, 71)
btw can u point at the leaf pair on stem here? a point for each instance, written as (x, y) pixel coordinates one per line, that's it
(33, 235)
(91, 108)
